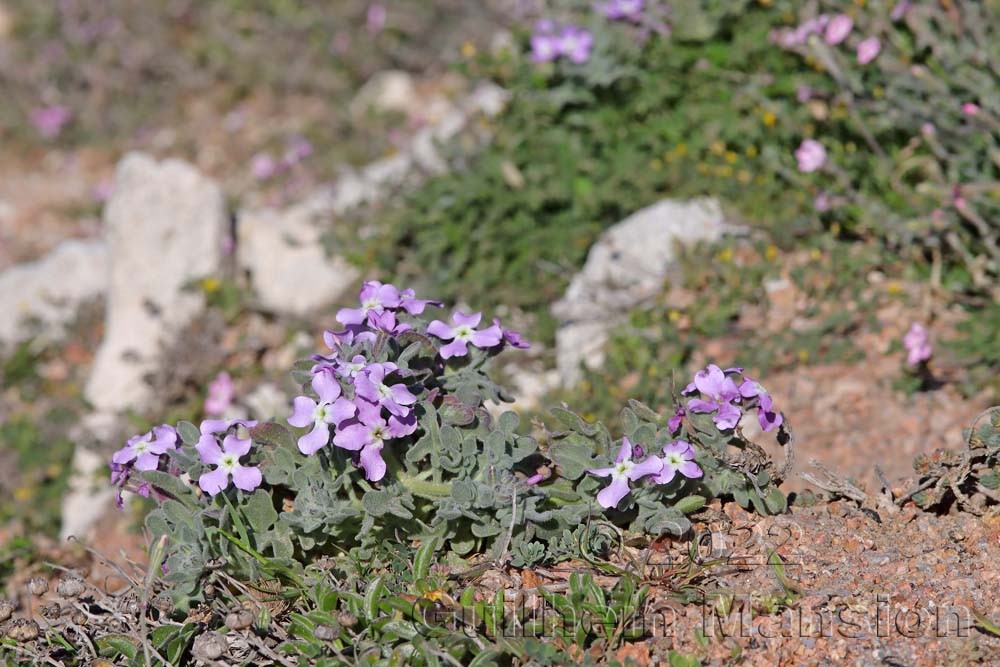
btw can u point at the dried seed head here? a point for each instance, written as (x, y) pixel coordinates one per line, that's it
(239, 619)
(327, 632)
(6, 610)
(79, 618)
(38, 586)
(347, 619)
(52, 611)
(209, 646)
(22, 630)
(70, 587)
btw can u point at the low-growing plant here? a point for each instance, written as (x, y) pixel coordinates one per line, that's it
(391, 442)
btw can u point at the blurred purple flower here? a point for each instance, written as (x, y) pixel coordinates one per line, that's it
(544, 42)
(263, 166)
(375, 18)
(49, 121)
(899, 11)
(512, 338)
(719, 392)
(917, 343)
(838, 29)
(868, 50)
(220, 395)
(766, 415)
(810, 155)
(623, 10)
(575, 44)
(970, 109)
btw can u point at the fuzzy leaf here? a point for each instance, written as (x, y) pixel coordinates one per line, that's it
(189, 433)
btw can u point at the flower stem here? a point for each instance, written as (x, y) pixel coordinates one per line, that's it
(424, 488)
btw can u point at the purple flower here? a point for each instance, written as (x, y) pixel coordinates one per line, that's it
(370, 385)
(575, 44)
(227, 462)
(350, 369)
(810, 155)
(142, 452)
(331, 408)
(719, 391)
(369, 434)
(375, 297)
(838, 29)
(618, 10)
(49, 121)
(464, 333)
(263, 166)
(298, 150)
(622, 472)
(220, 395)
(970, 109)
(678, 456)
(544, 43)
(767, 417)
(512, 338)
(868, 50)
(375, 18)
(386, 323)
(409, 302)
(352, 333)
(917, 343)
(899, 11)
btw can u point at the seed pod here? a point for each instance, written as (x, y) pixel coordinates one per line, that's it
(6, 610)
(239, 619)
(52, 611)
(70, 587)
(327, 632)
(38, 586)
(347, 619)
(22, 630)
(209, 646)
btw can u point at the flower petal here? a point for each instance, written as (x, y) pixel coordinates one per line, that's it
(302, 414)
(325, 384)
(147, 461)
(315, 440)
(456, 348)
(727, 417)
(690, 469)
(238, 446)
(208, 449)
(214, 482)
(348, 316)
(624, 452)
(613, 493)
(698, 405)
(247, 478)
(650, 466)
(468, 320)
(353, 437)
(372, 462)
(489, 337)
(341, 410)
(666, 475)
(441, 330)
(601, 472)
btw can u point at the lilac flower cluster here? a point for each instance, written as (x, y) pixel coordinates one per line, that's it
(833, 30)
(359, 404)
(364, 403)
(551, 42)
(714, 391)
(678, 457)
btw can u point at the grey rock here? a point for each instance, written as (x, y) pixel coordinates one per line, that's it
(289, 270)
(165, 225)
(42, 296)
(627, 265)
